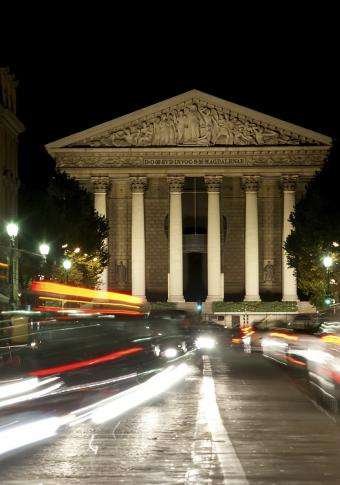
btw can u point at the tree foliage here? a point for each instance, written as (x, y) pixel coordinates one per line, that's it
(316, 227)
(85, 270)
(60, 212)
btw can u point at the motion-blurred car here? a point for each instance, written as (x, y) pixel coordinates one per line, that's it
(252, 337)
(212, 336)
(289, 346)
(323, 358)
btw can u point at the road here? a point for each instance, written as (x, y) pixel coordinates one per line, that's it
(240, 419)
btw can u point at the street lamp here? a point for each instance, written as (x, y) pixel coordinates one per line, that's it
(12, 230)
(67, 264)
(327, 261)
(44, 249)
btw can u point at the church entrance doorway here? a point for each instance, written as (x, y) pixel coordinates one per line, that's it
(195, 270)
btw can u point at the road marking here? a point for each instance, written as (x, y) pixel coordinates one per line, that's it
(209, 422)
(91, 446)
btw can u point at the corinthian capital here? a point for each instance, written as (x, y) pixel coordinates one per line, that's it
(288, 182)
(251, 183)
(138, 184)
(176, 183)
(100, 184)
(213, 182)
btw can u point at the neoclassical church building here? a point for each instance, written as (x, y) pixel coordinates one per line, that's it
(198, 193)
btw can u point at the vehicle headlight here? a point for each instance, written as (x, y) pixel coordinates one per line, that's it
(156, 350)
(205, 343)
(170, 353)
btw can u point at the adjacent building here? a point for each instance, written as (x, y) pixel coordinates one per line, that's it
(198, 192)
(10, 128)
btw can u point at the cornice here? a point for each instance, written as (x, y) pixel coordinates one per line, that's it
(11, 121)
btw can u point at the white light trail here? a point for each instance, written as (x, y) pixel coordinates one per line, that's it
(209, 421)
(138, 395)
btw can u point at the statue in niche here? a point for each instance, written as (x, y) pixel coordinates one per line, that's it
(121, 273)
(268, 271)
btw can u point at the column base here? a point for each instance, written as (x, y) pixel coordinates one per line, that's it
(290, 298)
(176, 299)
(211, 298)
(252, 298)
(142, 297)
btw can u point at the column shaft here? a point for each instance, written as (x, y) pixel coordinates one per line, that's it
(215, 290)
(289, 284)
(138, 185)
(175, 290)
(250, 185)
(101, 185)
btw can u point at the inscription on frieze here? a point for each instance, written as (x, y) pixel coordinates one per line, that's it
(69, 161)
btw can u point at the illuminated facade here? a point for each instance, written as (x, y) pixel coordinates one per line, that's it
(10, 128)
(197, 192)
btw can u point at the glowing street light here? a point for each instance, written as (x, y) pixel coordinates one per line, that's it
(44, 249)
(12, 230)
(327, 261)
(67, 264)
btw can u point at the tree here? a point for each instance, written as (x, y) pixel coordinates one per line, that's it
(61, 212)
(85, 270)
(316, 233)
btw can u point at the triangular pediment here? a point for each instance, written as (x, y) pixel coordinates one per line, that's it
(193, 119)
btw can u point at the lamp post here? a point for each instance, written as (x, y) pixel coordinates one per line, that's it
(327, 261)
(67, 264)
(12, 230)
(44, 249)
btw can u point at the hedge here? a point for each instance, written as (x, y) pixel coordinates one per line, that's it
(255, 306)
(162, 305)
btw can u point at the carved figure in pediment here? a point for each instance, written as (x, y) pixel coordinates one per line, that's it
(145, 134)
(195, 124)
(180, 127)
(192, 125)
(226, 131)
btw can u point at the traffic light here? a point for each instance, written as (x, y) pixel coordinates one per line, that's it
(199, 307)
(329, 301)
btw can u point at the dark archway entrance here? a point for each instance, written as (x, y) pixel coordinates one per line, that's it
(195, 269)
(194, 239)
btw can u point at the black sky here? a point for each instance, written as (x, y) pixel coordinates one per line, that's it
(91, 79)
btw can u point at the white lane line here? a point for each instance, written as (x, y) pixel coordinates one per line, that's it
(209, 423)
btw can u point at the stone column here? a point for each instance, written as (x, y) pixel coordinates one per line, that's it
(175, 280)
(138, 186)
(250, 185)
(215, 290)
(289, 285)
(101, 186)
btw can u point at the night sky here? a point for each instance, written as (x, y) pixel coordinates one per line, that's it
(70, 90)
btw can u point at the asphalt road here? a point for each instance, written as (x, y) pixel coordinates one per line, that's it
(239, 419)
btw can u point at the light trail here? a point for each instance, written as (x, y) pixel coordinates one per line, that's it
(85, 363)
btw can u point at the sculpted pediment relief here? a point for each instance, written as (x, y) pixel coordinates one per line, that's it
(195, 124)
(193, 119)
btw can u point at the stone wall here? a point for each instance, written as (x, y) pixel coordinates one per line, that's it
(270, 206)
(119, 217)
(156, 242)
(232, 207)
